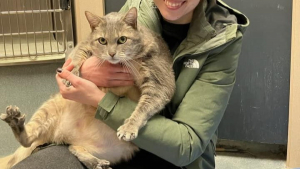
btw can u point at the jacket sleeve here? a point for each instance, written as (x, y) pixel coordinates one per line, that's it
(184, 138)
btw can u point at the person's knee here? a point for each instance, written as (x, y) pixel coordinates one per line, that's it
(58, 157)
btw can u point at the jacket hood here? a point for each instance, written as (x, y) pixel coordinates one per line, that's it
(213, 21)
(210, 19)
(218, 14)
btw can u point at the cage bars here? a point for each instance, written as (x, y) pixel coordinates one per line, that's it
(31, 28)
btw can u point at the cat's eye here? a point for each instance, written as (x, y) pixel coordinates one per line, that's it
(102, 41)
(122, 39)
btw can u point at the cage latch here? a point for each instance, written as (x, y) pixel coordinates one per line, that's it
(65, 4)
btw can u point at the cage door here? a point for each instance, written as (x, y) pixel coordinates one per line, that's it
(34, 31)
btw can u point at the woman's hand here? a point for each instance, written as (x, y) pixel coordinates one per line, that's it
(105, 74)
(82, 90)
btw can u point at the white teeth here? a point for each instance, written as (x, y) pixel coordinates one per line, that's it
(172, 4)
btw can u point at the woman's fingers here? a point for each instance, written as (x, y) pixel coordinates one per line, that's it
(67, 65)
(82, 91)
(67, 75)
(64, 90)
(67, 62)
(105, 74)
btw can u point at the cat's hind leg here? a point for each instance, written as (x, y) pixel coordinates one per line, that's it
(28, 140)
(32, 131)
(88, 159)
(16, 120)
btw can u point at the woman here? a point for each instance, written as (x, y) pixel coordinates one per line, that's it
(205, 39)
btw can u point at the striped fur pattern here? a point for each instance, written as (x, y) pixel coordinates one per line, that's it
(118, 39)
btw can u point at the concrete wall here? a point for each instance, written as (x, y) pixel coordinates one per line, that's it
(26, 86)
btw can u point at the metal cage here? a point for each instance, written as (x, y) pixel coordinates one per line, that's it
(34, 31)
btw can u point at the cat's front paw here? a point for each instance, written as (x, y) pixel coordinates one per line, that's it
(68, 83)
(103, 164)
(128, 131)
(13, 117)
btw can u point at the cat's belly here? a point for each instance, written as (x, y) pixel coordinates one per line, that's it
(79, 127)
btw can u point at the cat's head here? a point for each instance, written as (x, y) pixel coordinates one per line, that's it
(115, 37)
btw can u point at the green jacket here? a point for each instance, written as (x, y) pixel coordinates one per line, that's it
(205, 66)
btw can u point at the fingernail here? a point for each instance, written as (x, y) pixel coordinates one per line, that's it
(59, 70)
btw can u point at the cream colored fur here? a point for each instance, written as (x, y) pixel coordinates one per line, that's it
(65, 121)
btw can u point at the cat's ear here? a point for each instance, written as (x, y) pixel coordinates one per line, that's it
(131, 17)
(93, 19)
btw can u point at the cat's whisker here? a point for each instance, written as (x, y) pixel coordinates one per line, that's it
(126, 69)
(133, 71)
(132, 68)
(123, 66)
(101, 61)
(124, 59)
(99, 64)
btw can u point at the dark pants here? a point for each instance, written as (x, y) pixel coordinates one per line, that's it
(54, 157)
(59, 157)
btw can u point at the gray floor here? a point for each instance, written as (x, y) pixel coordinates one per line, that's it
(244, 161)
(245, 155)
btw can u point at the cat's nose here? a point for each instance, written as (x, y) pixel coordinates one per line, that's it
(112, 54)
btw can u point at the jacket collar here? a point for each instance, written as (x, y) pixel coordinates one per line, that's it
(199, 32)
(211, 18)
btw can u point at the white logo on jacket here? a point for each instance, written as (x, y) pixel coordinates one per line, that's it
(191, 63)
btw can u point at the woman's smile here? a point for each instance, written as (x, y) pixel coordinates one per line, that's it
(177, 11)
(173, 5)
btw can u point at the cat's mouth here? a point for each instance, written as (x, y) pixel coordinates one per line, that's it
(113, 61)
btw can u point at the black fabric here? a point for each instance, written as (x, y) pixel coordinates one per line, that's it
(173, 34)
(59, 157)
(53, 157)
(145, 160)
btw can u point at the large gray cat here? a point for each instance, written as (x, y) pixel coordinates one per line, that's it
(118, 39)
